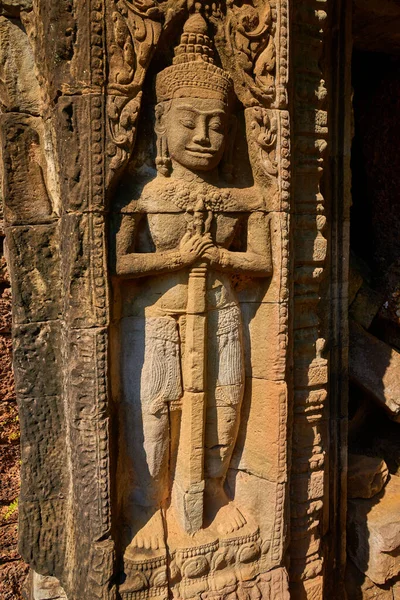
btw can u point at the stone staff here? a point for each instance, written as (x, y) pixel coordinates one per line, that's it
(190, 463)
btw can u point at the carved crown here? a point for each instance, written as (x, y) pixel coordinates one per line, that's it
(193, 72)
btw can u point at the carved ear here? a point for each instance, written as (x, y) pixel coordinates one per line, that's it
(161, 110)
(227, 163)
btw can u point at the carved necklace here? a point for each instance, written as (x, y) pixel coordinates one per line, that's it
(186, 195)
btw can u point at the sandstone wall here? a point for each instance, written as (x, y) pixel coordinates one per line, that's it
(12, 568)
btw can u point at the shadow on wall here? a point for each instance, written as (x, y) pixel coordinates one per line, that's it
(374, 309)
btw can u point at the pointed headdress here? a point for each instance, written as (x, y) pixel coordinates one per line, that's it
(193, 73)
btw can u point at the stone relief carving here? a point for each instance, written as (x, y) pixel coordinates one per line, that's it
(182, 371)
(250, 50)
(173, 412)
(245, 39)
(136, 30)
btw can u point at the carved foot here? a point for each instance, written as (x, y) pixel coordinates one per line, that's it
(229, 519)
(150, 534)
(221, 513)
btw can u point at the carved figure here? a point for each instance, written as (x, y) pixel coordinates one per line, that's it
(182, 368)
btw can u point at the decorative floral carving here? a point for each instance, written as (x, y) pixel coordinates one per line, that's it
(250, 50)
(265, 134)
(135, 33)
(245, 40)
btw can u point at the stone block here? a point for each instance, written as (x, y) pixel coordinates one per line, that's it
(46, 588)
(84, 263)
(265, 354)
(264, 422)
(13, 7)
(312, 589)
(365, 306)
(35, 276)
(367, 476)
(44, 452)
(67, 45)
(374, 533)
(88, 421)
(360, 587)
(80, 149)
(375, 367)
(42, 532)
(37, 360)
(28, 179)
(20, 89)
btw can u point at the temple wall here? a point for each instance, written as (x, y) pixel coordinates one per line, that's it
(205, 336)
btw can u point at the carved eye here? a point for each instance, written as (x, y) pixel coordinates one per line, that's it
(216, 124)
(188, 122)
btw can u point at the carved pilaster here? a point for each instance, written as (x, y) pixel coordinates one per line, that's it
(310, 424)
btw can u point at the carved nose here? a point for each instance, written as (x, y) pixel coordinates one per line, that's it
(201, 135)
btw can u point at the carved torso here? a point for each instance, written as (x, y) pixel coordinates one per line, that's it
(161, 218)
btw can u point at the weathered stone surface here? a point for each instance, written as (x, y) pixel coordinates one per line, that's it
(365, 306)
(79, 148)
(19, 90)
(67, 46)
(13, 7)
(360, 587)
(311, 589)
(42, 534)
(375, 366)
(366, 476)
(37, 361)
(28, 179)
(84, 258)
(47, 588)
(37, 288)
(155, 330)
(396, 589)
(374, 533)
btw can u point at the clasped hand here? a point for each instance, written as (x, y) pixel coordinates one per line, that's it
(193, 247)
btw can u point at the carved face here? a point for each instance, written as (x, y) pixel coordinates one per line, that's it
(196, 130)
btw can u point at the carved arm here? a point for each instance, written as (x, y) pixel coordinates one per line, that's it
(141, 265)
(257, 260)
(129, 264)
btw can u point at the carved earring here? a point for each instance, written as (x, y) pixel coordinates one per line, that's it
(163, 160)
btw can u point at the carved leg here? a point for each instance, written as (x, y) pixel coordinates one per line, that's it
(226, 389)
(150, 378)
(221, 430)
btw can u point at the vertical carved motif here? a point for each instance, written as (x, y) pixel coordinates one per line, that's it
(310, 435)
(250, 51)
(134, 32)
